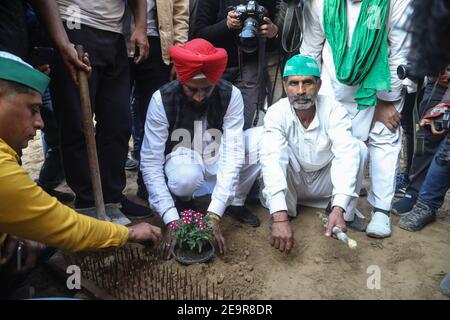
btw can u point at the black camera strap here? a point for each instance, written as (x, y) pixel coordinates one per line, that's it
(261, 75)
(290, 13)
(292, 26)
(418, 135)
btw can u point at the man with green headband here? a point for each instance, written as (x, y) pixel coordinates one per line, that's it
(26, 211)
(309, 155)
(360, 44)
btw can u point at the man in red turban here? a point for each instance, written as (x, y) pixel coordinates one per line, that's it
(194, 143)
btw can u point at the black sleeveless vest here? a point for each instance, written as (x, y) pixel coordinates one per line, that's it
(181, 115)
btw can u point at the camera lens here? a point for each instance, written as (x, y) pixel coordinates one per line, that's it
(249, 29)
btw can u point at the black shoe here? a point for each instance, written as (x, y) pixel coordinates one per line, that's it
(358, 223)
(405, 204)
(134, 210)
(242, 214)
(417, 218)
(64, 197)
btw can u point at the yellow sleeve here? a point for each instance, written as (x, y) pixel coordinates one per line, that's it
(28, 212)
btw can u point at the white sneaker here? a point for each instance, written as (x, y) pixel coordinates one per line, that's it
(379, 226)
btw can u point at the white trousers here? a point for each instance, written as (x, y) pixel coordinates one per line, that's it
(384, 150)
(315, 189)
(190, 180)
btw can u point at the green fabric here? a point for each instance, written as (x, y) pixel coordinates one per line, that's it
(300, 65)
(19, 72)
(365, 62)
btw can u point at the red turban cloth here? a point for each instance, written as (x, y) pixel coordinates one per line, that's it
(198, 56)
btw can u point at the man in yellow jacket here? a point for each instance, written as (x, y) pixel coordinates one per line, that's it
(26, 211)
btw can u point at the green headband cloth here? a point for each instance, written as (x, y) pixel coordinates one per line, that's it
(300, 65)
(15, 69)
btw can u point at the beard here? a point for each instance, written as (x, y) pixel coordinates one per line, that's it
(302, 103)
(198, 106)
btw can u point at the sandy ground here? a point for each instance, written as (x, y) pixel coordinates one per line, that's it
(410, 265)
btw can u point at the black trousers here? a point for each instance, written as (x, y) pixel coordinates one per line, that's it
(407, 123)
(109, 87)
(147, 77)
(421, 163)
(251, 83)
(52, 173)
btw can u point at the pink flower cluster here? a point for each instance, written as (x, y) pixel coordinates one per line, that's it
(173, 225)
(187, 216)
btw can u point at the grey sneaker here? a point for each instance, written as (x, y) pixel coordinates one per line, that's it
(90, 212)
(417, 218)
(115, 214)
(112, 212)
(445, 285)
(359, 222)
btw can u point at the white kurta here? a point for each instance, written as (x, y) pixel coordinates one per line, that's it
(384, 145)
(190, 171)
(326, 156)
(315, 45)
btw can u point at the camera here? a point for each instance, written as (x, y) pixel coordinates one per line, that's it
(406, 72)
(252, 16)
(443, 123)
(440, 114)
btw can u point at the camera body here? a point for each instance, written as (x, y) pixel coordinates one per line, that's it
(441, 118)
(252, 16)
(440, 114)
(443, 123)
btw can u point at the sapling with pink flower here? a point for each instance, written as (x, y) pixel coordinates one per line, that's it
(192, 230)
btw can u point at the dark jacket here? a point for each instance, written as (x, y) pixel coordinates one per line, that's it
(13, 28)
(211, 24)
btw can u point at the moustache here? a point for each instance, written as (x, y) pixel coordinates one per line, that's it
(303, 99)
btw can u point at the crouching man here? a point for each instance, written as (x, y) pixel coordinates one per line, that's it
(309, 155)
(30, 217)
(194, 142)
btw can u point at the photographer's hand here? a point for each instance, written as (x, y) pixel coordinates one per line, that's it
(233, 21)
(430, 124)
(268, 29)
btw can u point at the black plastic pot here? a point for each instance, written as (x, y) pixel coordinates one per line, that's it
(187, 257)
